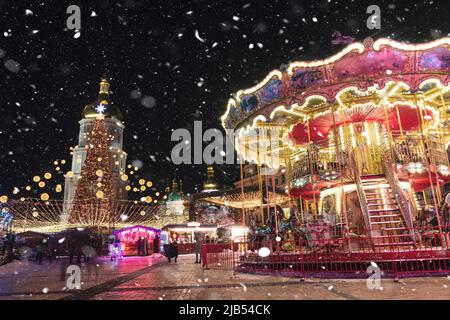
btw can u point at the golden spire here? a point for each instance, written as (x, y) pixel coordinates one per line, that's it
(104, 85)
(174, 185)
(167, 191)
(210, 183)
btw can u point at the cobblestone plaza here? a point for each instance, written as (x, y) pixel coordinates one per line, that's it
(152, 278)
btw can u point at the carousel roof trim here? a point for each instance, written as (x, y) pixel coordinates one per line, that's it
(356, 46)
(272, 74)
(275, 87)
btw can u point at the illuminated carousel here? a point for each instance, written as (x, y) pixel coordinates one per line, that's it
(363, 136)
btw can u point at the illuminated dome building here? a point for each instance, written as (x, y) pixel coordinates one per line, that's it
(113, 118)
(362, 134)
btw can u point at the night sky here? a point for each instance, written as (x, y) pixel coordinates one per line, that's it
(163, 77)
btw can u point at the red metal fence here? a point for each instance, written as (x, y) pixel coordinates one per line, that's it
(395, 255)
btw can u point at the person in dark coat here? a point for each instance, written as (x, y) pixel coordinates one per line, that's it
(75, 247)
(52, 248)
(40, 252)
(198, 249)
(156, 244)
(173, 251)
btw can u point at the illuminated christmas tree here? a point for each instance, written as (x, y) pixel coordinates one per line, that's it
(94, 193)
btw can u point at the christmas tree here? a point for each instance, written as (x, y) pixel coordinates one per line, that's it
(94, 193)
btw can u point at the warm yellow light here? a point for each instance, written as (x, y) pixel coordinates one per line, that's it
(149, 184)
(99, 194)
(157, 194)
(41, 184)
(143, 188)
(44, 197)
(36, 178)
(99, 173)
(28, 188)
(124, 177)
(148, 199)
(69, 174)
(47, 175)
(141, 182)
(128, 188)
(4, 199)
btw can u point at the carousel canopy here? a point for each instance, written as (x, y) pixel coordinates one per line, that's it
(381, 81)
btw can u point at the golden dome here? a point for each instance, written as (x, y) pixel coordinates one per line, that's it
(102, 105)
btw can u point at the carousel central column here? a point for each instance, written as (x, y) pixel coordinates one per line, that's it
(342, 192)
(258, 166)
(311, 170)
(419, 105)
(241, 165)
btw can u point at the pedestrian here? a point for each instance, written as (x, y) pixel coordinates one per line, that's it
(198, 249)
(40, 251)
(172, 251)
(175, 250)
(75, 248)
(156, 244)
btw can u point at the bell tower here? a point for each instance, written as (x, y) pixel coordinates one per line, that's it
(113, 118)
